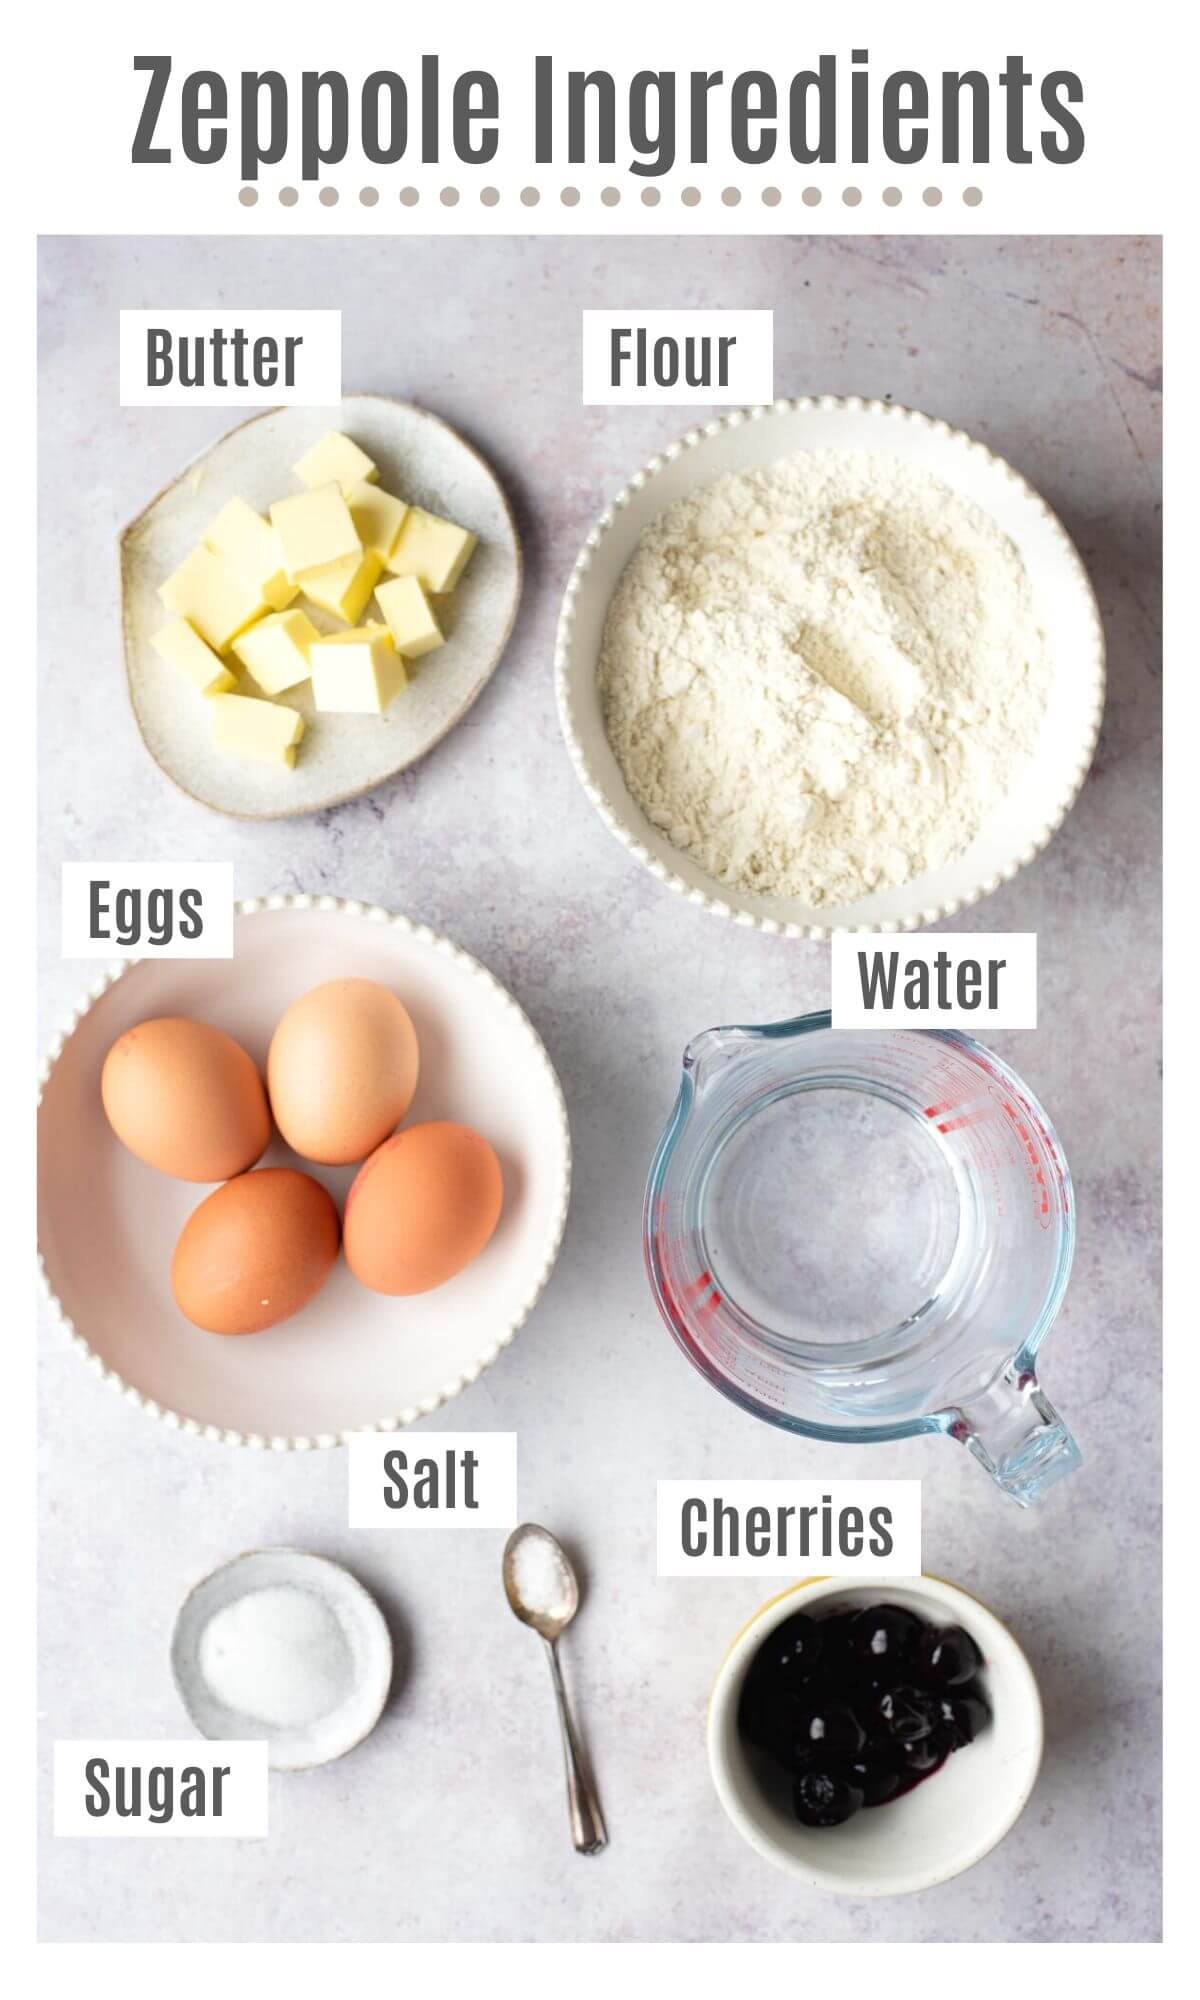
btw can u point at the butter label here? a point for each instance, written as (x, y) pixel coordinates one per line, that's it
(227, 358)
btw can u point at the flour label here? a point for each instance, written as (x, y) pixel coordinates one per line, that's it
(951, 979)
(698, 356)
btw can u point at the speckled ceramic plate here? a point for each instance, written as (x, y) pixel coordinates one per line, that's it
(1022, 823)
(420, 458)
(352, 1360)
(296, 1746)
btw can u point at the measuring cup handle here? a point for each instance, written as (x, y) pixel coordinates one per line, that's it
(1016, 1433)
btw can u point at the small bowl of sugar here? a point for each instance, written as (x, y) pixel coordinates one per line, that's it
(286, 1646)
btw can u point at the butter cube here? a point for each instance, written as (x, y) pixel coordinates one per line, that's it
(250, 543)
(314, 528)
(182, 646)
(433, 550)
(335, 457)
(344, 587)
(378, 516)
(213, 596)
(356, 673)
(264, 730)
(410, 620)
(275, 650)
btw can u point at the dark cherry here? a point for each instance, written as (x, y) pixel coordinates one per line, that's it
(903, 1715)
(884, 1639)
(961, 1717)
(766, 1716)
(825, 1798)
(859, 1707)
(876, 1777)
(917, 1759)
(792, 1654)
(949, 1658)
(828, 1729)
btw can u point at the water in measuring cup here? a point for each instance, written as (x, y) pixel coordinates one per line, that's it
(832, 1214)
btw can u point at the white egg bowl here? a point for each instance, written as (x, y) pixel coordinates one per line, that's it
(352, 1359)
(942, 1826)
(1063, 600)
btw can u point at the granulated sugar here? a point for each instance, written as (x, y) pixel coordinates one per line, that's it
(820, 676)
(277, 1656)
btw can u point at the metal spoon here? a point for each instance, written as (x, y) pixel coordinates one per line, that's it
(549, 1615)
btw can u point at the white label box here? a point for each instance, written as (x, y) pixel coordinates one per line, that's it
(630, 356)
(147, 909)
(172, 1790)
(171, 355)
(433, 1479)
(946, 979)
(789, 1527)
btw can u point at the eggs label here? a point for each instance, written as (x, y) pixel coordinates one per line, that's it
(147, 909)
(451, 1479)
(954, 979)
(151, 1790)
(789, 1527)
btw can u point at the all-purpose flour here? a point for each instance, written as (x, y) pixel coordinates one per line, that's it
(818, 677)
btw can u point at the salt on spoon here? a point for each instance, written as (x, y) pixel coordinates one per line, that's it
(543, 1592)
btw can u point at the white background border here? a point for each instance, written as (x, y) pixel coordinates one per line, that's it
(67, 130)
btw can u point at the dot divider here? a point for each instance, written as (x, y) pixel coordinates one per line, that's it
(611, 196)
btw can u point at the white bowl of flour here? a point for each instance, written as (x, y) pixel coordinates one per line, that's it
(830, 665)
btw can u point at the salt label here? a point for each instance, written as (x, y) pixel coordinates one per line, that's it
(448, 1479)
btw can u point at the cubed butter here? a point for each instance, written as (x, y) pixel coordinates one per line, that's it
(433, 550)
(265, 730)
(182, 646)
(250, 543)
(356, 673)
(275, 650)
(378, 516)
(343, 588)
(336, 457)
(314, 528)
(409, 618)
(213, 596)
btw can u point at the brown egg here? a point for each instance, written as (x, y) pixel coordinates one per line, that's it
(341, 1070)
(421, 1208)
(255, 1251)
(187, 1099)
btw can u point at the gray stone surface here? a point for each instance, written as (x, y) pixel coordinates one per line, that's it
(449, 1822)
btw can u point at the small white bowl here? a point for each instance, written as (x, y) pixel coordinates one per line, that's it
(1066, 607)
(944, 1825)
(299, 1747)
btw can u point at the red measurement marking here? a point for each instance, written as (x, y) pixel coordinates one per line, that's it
(976, 1117)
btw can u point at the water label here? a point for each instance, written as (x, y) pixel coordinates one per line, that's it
(951, 979)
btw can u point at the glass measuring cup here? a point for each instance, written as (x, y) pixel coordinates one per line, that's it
(866, 1236)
